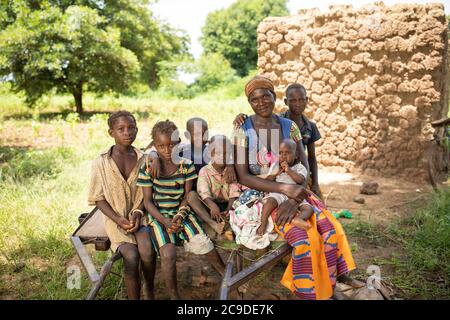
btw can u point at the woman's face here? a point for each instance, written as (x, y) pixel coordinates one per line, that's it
(296, 100)
(262, 102)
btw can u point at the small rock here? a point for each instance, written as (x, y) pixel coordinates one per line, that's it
(360, 200)
(369, 188)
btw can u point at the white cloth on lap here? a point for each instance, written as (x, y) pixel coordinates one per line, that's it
(245, 222)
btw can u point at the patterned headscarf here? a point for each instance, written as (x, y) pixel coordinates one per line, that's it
(259, 82)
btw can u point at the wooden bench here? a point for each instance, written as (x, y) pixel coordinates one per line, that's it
(91, 231)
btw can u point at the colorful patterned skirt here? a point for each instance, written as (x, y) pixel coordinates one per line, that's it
(319, 255)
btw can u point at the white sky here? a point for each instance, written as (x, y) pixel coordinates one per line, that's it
(190, 15)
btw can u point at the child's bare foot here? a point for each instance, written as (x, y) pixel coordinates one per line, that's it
(345, 279)
(300, 223)
(218, 227)
(229, 235)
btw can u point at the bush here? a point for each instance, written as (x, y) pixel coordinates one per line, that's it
(214, 70)
(232, 90)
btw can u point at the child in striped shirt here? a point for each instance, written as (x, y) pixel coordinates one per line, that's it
(171, 220)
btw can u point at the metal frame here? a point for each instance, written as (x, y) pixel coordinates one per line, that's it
(231, 282)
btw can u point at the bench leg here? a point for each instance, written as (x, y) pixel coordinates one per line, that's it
(239, 266)
(224, 289)
(106, 269)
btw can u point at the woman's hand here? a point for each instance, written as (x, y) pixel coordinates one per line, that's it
(239, 120)
(286, 212)
(294, 191)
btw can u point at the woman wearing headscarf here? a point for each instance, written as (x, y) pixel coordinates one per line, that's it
(321, 253)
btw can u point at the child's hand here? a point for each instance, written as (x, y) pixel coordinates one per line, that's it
(171, 226)
(177, 222)
(239, 120)
(125, 223)
(135, 220)
(230, 174)
(155, 166)
(215, 213)
(284, 166)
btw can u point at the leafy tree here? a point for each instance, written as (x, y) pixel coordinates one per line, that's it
(151, 40)
(232, 31)
(76, 45)
(213, 70)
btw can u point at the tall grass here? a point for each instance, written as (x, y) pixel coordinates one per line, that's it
(428, 248)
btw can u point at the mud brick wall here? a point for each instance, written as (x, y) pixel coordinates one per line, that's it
(376, 77)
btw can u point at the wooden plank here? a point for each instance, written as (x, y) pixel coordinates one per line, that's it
(224, 290)
(85, 258)
(259, 266)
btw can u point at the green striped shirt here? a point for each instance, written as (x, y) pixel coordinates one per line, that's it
(168, 191)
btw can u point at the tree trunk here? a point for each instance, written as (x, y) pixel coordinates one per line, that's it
(153, 81)
(78, 96)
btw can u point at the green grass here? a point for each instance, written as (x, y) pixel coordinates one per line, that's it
(427, 266)
(421, 260)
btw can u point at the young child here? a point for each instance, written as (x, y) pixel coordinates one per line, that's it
(113, 190)
(292, 173)
(215, 193)
(171, 220)
(297, 100)
(197, 151)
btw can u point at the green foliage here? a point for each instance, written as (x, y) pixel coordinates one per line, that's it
(232, 31)
(171, 85)
(23, 164)
(151, 40)
(231, 90)
(71, 46)
(210, 71)
(214, 70)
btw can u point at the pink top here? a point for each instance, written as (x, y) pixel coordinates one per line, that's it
(212, 184)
